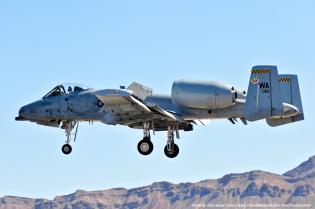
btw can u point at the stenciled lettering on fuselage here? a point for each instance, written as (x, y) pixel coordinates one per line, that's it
(264, 87)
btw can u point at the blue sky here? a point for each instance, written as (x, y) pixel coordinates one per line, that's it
(105, 44)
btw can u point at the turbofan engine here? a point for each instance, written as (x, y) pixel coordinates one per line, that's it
(203, 94)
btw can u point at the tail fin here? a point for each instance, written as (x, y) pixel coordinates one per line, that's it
(291, 95)
(264, 98)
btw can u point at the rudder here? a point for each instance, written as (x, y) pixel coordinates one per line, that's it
(291, 95)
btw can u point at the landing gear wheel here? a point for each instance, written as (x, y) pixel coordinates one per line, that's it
(173, 153)
(145, 146)
(66, 149)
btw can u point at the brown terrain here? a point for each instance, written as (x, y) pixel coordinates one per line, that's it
(294, 189)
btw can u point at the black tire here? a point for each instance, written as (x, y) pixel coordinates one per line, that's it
(145, 146)
(173, 153)
(66, 149)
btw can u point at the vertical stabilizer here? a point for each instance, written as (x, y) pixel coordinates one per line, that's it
(291, 95)
(264, 97)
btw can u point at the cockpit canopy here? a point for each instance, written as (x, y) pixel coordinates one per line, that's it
(64, 89)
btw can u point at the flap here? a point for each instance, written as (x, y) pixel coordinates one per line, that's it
(140, 90)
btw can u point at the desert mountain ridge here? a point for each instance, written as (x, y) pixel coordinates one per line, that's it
(294, 188)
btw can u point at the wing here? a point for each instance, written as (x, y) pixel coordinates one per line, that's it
(124, 108)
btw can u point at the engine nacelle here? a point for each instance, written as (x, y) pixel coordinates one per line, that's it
(203, 94)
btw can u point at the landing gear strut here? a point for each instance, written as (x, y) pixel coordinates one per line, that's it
(69, 126)
(145, 146)
(171, 149)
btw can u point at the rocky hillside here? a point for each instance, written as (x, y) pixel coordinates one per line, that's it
(294, 189)
(305, 170)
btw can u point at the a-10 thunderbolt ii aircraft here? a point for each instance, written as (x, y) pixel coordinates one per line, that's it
(270, 96)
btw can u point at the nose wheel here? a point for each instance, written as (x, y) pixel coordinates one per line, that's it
(66, 149)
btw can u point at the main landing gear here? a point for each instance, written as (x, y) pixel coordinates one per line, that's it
(145, 146)
(171, 149)
(69, 126)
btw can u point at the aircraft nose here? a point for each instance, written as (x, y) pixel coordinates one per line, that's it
(24, 112)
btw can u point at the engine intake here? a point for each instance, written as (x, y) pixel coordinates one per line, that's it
(203, 94)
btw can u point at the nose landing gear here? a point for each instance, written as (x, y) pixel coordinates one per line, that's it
(69, 126)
